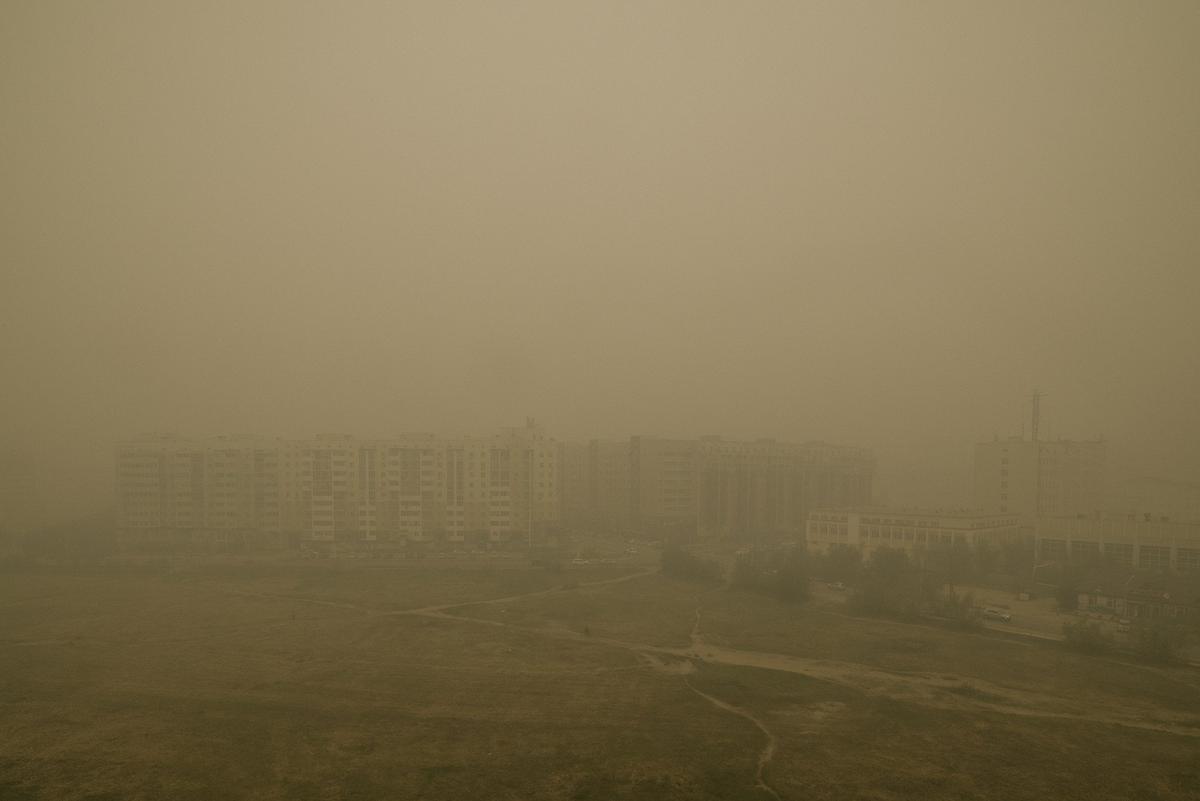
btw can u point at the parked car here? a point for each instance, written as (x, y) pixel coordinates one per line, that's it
(997, 614)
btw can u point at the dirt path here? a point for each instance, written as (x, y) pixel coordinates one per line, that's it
(768, 751)
(942, 690)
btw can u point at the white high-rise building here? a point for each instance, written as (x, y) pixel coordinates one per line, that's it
(1033, 479)
(335, 488)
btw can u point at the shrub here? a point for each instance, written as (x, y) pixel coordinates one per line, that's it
(1157, 642)
(780, 574)
(680, 563)
(889, 586)
(1087, 637)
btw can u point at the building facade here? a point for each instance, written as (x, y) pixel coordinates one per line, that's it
(1143, 596)
(336, 489)
(713, 488)
(765, 490)
(595, 485)
(1122, 540)
(908, 530)
(1033, 478)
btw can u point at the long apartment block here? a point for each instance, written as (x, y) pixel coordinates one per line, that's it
(710, 487)
(335, 488)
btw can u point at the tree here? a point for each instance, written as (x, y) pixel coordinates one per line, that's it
(791, 577)
(1087, 637)
(1156, 640)
(1066, 592)
(745, 575)
(842, 563)
(987, 560)
(778, 573)
(889, 585)
(1016, 557)
(678, 562)
(952, 565)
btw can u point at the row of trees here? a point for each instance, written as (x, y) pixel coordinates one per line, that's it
(678, 562)
(780, 573)
(956, 564)
(893, 584)
(1152, 640)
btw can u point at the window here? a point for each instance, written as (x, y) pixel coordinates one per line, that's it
(1187, 559)
(1155, 557)
(1120, 553)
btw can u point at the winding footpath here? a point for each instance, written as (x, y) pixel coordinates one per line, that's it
(768, 751)
(940, 690)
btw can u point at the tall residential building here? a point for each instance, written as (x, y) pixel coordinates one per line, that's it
(662, 482)
(533, 483)
(1032, 478)
(574, 476)
(595, 480)
(609, 482)
(335, 488)
(222, 489)
(711, 487)
(766, 489)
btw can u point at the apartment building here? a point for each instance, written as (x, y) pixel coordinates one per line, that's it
(532, 459)
(766, 489)
(595, 480)
(574, 480)
(711, 487)
(1034, 478)
(662, 482)
(336, 489)
(1124, 540)
(908, 530)
(221, 489)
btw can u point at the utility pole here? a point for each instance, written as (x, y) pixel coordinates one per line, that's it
(531, 499)
(1037, 450)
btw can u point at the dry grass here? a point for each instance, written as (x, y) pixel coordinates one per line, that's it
(1021, 664)
(144, 688)
(653, 609)
(255, 684)
(837, 743)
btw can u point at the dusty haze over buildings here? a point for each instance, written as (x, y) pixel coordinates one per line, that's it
(881, 224)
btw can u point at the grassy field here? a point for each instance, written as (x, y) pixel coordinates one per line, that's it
(1031, 666)
(306, 681)
(651, 609)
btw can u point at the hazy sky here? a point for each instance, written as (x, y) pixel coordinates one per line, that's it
(878, 223)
